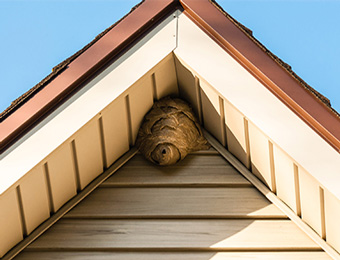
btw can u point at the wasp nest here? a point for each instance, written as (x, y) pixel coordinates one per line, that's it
(169, 132)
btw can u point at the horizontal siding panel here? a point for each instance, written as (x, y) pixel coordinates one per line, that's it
(210, 151)
(174, 234)
(176, 202)
(189, 160)
(10, 221)
(180, 176)
(173, 255)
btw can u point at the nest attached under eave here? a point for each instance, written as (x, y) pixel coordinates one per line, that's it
(169, 132)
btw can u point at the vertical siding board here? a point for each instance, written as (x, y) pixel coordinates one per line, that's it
(235, 133)
(62, 175)
(272, 166)
(297, 190)
(259, 153)
(222, 122)
(154, 87)
(115, 129)
(34, 196)
(198, 100)
(10, 221)
(246, 134)
(186, 85)
(129, 119)
(165, 79)
(141, 101)
(310, 200)
(332, 220)
(322, 210)
(211, 111)
(89, 153)
(285, 179)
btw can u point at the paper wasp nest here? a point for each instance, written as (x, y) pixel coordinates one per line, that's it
(169, 132)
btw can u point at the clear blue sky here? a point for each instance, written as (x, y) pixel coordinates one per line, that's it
(36, 35)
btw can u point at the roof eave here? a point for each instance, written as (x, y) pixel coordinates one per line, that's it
(309, 105)
(92, 60)
(260, 63)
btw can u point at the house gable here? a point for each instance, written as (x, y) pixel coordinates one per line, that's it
(234, 100)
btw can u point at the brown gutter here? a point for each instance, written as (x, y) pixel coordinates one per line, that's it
(280, 82)
(109, 47)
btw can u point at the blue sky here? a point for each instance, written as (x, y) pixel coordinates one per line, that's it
(36, 35)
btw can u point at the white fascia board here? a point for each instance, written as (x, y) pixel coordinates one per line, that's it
(206, 58)
(88, 102)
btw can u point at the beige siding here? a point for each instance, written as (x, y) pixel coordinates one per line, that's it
(61, 176)
(185, 202)
(236, 133)
(260, 155)
(179, 210)
(189, 88)
(310, 201)
(178, 233)
(88, 153)
(165, 80)
(115, 130)
(211, 110)
(175, 255)
(139, 172)
(140, 102)
(35, 200)
(285, 179)
(332, 217)
(11, 231)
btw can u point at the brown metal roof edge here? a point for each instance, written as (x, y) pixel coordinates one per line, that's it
(69, 76)
(62, 65)
(56, 70)
(277, 76)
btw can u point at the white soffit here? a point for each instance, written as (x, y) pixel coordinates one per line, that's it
(88, 102)
(209, 61)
